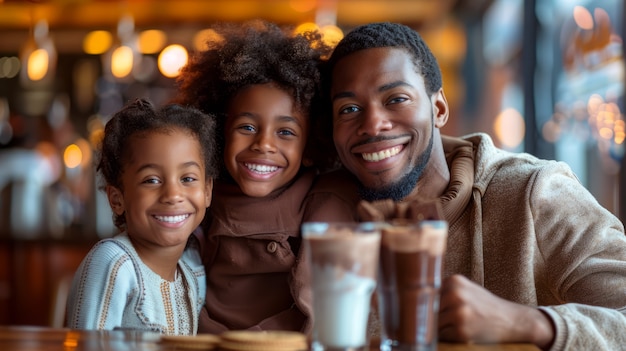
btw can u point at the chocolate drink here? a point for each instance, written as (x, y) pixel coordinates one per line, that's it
(409, 282)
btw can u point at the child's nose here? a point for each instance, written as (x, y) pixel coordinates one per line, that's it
(172, 192)
(264, 142)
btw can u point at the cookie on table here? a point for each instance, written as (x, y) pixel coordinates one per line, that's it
(192, 342)
(269, 340)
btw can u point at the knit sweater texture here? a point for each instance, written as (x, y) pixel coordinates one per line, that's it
(113, 288)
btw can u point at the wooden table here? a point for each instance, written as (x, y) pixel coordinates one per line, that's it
(19, 338)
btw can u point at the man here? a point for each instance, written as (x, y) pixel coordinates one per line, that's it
(532, 257)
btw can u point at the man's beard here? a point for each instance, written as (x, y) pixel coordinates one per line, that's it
(405, 185)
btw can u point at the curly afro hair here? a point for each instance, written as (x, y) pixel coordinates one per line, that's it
(256, 52)
(139, 118)
(386, 34)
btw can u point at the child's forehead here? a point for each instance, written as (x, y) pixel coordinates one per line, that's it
(265, 100)
(174, 135)
(170, 130)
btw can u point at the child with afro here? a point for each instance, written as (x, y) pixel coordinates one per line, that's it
(158, 166)
(264, 83)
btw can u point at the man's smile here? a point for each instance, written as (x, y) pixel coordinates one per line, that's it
(381, 155)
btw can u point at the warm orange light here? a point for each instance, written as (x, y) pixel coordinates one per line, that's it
(151, 41)
(85, 151)
(97, 42)
(302, 5)
(122, 61)
(551, 131)
(306, 27)
(331, 35)
(204, 38)
(72, 156)
(172, 59)
(71, 340)
(510, 128)
(620, 131)
(37, 65)
(583, 17)
(594, 103)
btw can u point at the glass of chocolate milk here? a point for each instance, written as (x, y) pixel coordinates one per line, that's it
(411, 255)
(343, 259)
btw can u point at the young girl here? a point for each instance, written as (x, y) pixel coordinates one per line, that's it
(158, 166)
(263, 82)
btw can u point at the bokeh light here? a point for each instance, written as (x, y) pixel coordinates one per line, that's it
(172, 59)
(151, 41)
(97, 42)
(510, 128)
(72, 156)
(122, 61)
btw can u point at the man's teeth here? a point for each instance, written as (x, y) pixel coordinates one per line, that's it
(381, 155)
(261, 168)
(172, 219)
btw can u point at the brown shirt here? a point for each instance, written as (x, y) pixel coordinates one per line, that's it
(252, 245)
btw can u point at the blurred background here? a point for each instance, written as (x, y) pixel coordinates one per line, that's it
(540, 76)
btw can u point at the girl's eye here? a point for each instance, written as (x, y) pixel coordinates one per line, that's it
(286, 132)
(349, 109)
(151, 181)
(247, 128)
(188, 179)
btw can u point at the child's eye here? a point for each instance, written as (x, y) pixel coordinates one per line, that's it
(188, 179)
(151, 181)
(286, 132)
(247, 128)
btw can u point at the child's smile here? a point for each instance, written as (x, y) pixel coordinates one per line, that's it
(265, 139)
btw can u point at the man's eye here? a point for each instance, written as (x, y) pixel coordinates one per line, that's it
(349, 109)
(397, 100)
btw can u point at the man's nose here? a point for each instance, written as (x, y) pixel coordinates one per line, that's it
(373, 122)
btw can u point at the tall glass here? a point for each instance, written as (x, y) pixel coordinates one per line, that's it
(411, 260)
(343, 258)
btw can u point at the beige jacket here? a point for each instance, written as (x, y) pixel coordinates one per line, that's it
(529, 232)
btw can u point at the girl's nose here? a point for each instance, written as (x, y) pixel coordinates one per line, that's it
(264, 142)
(172, 192)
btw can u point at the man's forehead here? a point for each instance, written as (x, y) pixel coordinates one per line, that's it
(374, 66)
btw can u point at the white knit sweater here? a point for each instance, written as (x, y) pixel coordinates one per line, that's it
(113, 288)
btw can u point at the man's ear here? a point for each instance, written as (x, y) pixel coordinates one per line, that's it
(116, 199)
(441, 110)
(208, 194)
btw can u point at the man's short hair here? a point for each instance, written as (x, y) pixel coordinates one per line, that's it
(386, 34)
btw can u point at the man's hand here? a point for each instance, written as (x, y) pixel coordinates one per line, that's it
(470, 313)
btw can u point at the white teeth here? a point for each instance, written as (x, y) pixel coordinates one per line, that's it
(261, 168)
(381, 155)
(172, 219)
